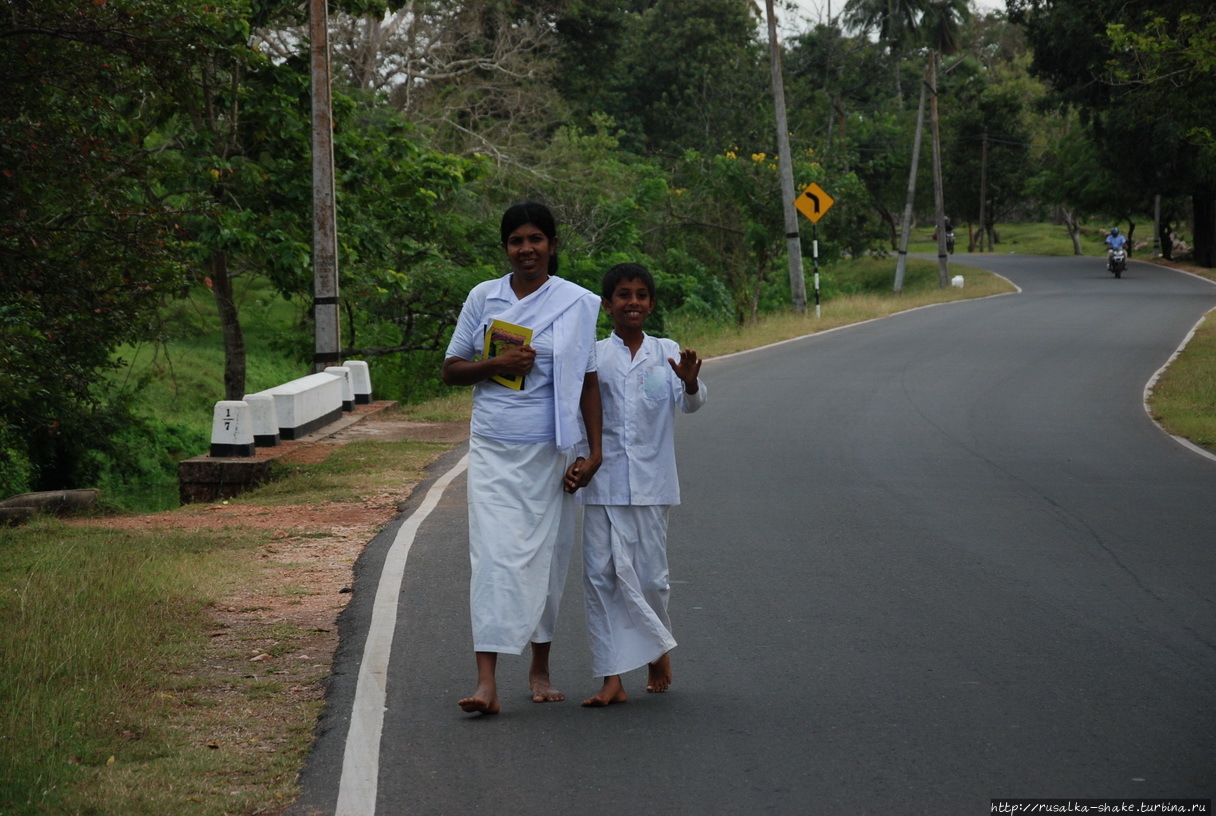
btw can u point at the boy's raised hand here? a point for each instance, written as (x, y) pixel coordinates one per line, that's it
(687, 369)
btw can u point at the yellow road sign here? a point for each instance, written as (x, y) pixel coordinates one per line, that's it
(814, 203)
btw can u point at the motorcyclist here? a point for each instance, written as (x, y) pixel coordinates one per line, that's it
(1114, 240)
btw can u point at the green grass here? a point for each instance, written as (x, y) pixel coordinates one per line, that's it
(108, 700)
(1183, 400)
(92, 623)
(1028, 239)
(874, 277)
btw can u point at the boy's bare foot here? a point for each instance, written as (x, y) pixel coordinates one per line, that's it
(483, 701)
(659, 674)
(612, 692)
(543, 691)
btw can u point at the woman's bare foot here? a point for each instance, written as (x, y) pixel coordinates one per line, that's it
(485, 696)
(543, 690)
(659, 674)
(612, 692)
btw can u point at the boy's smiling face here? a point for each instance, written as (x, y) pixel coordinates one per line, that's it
(629, 305)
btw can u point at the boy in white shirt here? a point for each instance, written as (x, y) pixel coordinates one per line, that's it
(643, 380)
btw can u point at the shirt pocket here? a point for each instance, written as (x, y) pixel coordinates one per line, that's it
(656, 386)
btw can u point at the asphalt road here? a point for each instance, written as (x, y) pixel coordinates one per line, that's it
(922, 563)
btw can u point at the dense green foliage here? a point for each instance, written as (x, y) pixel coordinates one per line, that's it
(155, 150)
(1142, 75)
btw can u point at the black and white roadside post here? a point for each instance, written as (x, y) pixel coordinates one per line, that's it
(814, 204)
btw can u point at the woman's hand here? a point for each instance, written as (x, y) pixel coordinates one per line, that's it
(515, 361)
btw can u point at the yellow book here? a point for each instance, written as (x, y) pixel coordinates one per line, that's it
(500, 336)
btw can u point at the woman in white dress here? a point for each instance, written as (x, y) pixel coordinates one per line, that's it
(523, 465)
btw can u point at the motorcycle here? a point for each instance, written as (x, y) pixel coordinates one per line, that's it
(950, 241)
(1117, 262)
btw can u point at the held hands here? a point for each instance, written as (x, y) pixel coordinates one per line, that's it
(687, 369)
(579, 474)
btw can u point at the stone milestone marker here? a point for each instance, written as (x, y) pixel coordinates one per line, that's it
(348, 391)
(232, 429)
(360, 380)
(265, 421)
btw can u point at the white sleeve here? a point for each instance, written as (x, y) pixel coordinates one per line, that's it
(464, 337)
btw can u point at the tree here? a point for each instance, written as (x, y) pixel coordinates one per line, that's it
(1073, 178)
(88, 244)
(1125, 83)
(894, 21)
(697, 70)
(984, 172)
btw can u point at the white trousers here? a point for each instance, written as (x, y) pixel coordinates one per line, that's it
(521, 532)
(625, 586)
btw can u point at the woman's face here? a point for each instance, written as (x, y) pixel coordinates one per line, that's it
(528, 250)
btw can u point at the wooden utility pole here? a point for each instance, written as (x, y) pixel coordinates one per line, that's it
(785, 165)
(327, 351)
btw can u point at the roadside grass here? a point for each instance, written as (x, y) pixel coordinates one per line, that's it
(344, 477)
(109, 700)
(1183, 399)
(1030, 239)
(841, 310)
(94, 624)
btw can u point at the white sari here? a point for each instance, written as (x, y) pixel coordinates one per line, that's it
(520, 539)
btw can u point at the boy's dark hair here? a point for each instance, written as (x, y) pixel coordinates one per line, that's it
(536, 214)
(625, 272)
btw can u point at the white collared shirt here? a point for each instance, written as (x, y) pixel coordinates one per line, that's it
(640, 396)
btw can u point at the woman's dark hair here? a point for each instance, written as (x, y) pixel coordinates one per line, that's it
(536, 214)
(625, 272)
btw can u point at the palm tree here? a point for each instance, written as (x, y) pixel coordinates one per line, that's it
(895, 21)
(939, 24)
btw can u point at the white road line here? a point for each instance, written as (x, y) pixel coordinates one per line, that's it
(361, 761)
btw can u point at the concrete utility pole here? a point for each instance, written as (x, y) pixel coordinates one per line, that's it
(901, 263)
(939, 206)
(786, 169)
(984, 193)
(327, 351)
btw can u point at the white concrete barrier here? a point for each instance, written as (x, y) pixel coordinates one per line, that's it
(360, 381)
(305, 404)
(348, 394)
(231, 429)
(265, 423)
